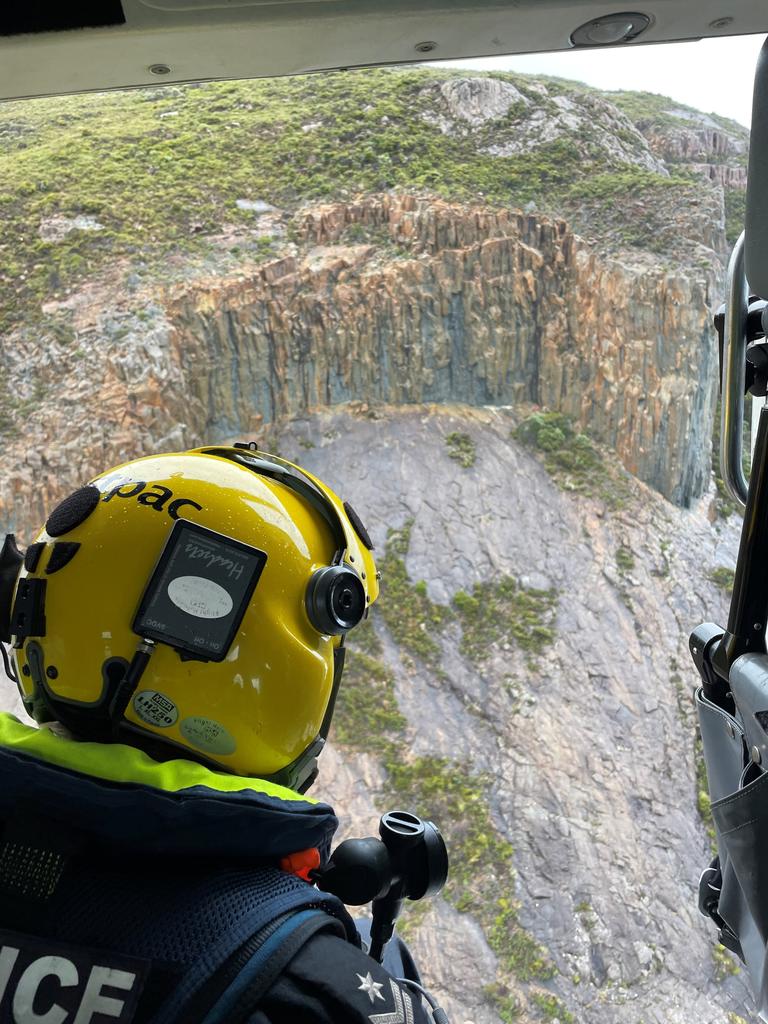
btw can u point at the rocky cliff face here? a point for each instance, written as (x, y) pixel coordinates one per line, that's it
(687, 141)
(716, 150)
(523, 121)
(389, 299)
(550, 736)
(594, 301)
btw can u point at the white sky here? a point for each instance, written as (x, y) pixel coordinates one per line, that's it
(714, 75)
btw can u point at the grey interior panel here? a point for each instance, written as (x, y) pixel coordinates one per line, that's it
(194, 40)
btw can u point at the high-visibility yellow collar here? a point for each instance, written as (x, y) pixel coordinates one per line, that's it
(118, 798)
(118, 762)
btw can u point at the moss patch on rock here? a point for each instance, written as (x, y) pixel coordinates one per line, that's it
(572, 459)
(725, 963)
(506, 1004)
(367, 715)
(551, 1008)
(482, 878)
(722, 577)
(625, 560)
(502, 612)
(461, 448)
(410, 616)
(735, 213)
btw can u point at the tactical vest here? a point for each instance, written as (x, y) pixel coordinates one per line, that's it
(133, 891)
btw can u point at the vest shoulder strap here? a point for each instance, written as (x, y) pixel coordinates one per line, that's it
(234, 963)
(245, 980)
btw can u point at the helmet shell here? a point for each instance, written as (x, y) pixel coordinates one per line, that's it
(259, 708)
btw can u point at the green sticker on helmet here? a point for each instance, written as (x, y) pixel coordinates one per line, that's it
(208, 735)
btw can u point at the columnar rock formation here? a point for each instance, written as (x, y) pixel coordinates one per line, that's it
(389, 299)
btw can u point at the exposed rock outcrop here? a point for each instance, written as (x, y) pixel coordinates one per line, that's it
(697, 141)
(477, 100)
(689, 141)
(589, 748)
(444, 303)
(525, 119)
(715, 154)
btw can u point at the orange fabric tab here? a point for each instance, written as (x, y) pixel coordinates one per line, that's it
(301, 863)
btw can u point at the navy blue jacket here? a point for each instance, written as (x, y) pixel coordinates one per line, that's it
(131, 891)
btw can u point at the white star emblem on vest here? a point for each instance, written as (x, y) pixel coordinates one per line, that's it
(370, 987)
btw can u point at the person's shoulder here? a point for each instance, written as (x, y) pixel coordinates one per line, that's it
(330, 981)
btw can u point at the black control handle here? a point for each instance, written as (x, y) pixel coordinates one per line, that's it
(409, 861)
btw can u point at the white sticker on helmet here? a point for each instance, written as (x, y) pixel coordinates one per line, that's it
(155, 708)
(209, 735)
(200, 597)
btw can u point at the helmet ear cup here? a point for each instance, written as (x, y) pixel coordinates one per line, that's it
(335, 599)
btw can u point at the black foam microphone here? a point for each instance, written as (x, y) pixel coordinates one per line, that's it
(10, 562)
(410, 861)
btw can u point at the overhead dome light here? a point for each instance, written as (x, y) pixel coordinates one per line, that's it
(610, 29)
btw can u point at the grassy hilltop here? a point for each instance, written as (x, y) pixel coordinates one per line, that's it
(156, 172)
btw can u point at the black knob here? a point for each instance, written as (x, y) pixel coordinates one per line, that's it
(418, 852)
(335, 600)
(359, 871)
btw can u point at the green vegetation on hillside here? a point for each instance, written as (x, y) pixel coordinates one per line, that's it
(411, 617)
(724, 962)
(735, 213)
(625, 560)
(651, 112)
(482, 875)
(722, 576)
(154, 173)
(502, 612)
(367, 714)
(649, 108)
(451, 793)
(455, 797)
(461, 448)
(572, 459)
(653, 109)
(552, 1008)
(630, 180)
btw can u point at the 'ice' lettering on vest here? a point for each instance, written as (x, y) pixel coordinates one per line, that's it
(25, 994)
(43, 983)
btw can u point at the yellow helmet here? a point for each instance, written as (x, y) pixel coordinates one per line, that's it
(196, 601)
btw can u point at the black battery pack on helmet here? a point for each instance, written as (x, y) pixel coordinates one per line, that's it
(198, 592)
(194, 601)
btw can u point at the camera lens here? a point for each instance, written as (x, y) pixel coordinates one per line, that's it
(335, 599)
